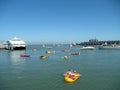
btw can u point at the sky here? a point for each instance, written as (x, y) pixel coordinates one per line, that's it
(59, 21)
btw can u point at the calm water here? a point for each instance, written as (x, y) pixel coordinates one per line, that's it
(100, 69)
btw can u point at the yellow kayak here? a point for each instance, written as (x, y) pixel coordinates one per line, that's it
(43, 57)
(71, 80)
(50, 52)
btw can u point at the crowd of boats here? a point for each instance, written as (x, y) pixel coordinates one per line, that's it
(70, 76)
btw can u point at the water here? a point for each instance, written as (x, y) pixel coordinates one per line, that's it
(100, 69)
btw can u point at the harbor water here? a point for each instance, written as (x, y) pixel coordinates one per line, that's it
(99, 69)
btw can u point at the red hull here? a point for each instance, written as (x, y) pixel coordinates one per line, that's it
(24, 55)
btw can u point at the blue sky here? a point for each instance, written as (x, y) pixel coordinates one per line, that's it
(59, 21)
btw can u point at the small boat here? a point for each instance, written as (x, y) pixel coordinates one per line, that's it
(71, 80)
(66, 57)
(87, 48)
(25, 55)
(43, 45)
(43, 57)
(34, 50)
(65, 50)
(50, 52)
(71, 77)
(49, 47)
(71, 45)
(76, 53)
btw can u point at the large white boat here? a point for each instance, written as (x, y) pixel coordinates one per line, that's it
(87, 48)
(16, 44)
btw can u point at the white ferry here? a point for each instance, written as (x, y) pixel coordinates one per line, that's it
(16, 44)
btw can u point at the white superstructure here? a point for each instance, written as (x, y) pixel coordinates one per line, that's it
(16, 44)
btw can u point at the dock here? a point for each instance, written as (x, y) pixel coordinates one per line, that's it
(3, 46)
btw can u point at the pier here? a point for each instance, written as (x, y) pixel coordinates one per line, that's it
(94, 42)
(3, 46)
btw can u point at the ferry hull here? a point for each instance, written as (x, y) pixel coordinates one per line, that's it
(19, 48)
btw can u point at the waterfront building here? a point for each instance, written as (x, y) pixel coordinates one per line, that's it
(94, 42)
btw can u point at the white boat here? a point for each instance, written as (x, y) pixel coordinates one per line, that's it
(87, 48)
(110, 47)
(43, 45)
(16, 44)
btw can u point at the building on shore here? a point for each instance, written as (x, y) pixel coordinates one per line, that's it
(94, 42)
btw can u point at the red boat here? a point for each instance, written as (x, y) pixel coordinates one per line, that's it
(25, 55)
(65, 50)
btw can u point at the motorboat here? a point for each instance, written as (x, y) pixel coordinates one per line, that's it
(87, 48)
